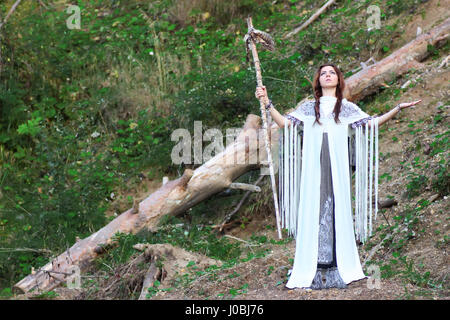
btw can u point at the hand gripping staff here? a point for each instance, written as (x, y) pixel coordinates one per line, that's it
(252, 37)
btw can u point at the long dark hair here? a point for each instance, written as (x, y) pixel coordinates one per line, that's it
(318, 92)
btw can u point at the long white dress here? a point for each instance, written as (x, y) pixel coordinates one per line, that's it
(315, 192)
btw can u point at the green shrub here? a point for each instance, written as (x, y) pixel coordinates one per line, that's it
(441, 181)
(416, 185)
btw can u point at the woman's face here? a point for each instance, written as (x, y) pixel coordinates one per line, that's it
(328, 77)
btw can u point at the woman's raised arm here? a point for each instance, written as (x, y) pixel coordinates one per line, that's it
(389, 115)
(276, 116)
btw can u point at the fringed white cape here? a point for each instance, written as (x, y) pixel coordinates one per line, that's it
(299, 186)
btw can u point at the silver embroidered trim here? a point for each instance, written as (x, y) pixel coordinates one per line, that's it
(348, 109)
(293, 119)
(361, 122)
(307, 108)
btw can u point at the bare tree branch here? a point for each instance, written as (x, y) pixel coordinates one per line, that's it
(310, 20)
(10, 12)
(25, 250)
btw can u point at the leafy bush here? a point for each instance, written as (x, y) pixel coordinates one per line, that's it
(416, 185)
(441, 182)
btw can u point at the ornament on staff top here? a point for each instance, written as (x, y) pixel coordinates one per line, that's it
(258, 36)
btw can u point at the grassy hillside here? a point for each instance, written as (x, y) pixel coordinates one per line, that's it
(87, 115)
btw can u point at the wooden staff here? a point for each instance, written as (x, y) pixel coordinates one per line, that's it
(256, 36)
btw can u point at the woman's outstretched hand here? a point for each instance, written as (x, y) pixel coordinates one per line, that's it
(408, 104)
(261, 92)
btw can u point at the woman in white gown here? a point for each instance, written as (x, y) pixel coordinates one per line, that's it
(323, 139)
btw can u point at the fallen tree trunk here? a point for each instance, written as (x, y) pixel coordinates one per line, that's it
(150, 277)
(173, 198)
(176, 196)
(173, 259)
(368, 80)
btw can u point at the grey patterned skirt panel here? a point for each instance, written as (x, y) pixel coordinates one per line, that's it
(327, 275)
